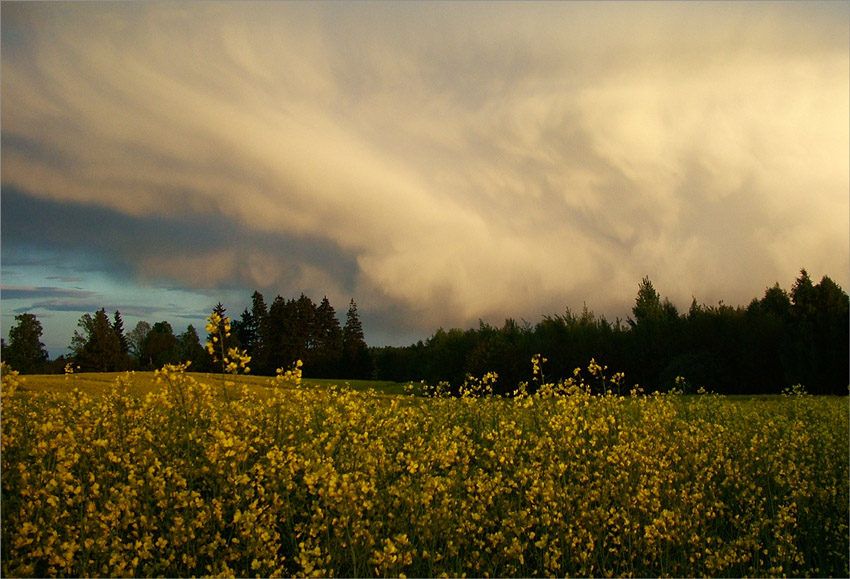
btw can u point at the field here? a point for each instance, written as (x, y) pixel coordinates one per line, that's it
(179, 474)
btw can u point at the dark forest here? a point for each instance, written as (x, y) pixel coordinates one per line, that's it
(782, 339)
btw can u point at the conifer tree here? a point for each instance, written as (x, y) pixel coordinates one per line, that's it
(653, 330)
(25, 351)
(647, 303)
(245, 330)
(355, 352)
(259, 349)
(328, 341)
(802, 337)
(804, 296)
(304, 334)
(118, 327)
(276, 358)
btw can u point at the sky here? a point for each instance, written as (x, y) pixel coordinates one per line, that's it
(440, 163)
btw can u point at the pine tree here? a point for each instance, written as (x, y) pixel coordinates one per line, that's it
(25, 351)
(355, 353)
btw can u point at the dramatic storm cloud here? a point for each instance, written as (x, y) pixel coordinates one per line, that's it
(438, 162)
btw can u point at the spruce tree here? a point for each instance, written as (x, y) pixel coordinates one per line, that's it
(653, 331)
(118, 327)
(259, 349)
(304, 334)
(25, 351)
(803, 349)
(245, 330)
(355, 352)
(832, 338)
(648, 307)
(328, 341)
(278, 350)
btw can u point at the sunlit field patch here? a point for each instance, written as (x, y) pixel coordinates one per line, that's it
(179, 474)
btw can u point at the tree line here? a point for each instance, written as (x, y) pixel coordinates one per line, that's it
(783, 339)
(780, 340)
(274, 337)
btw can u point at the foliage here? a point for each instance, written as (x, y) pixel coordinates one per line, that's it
(98, 347)
(321, 482)
(159, 347)
(326, 356)
(233, 360)
(25, 351)
(355, 352)
(782, 339)
(118, 327)
(291, 329)
(136, 339)
(773, 343)
(189, 348)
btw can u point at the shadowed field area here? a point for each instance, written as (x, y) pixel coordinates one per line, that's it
(142, 382)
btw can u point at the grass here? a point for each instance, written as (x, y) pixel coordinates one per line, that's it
(281, 478)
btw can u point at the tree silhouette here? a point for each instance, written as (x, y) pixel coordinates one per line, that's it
(97, 348)
(259, 350)
(25, 351)
(160, 346)
(190, 350)
(355, 352)
(118, 326)
(327, 352)
(136, 339)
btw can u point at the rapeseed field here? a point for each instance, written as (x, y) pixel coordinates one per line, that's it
(210, 478)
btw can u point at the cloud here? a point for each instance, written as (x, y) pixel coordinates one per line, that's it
(31, 293)
(200, 251)
(61, 306)
(457, 162)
